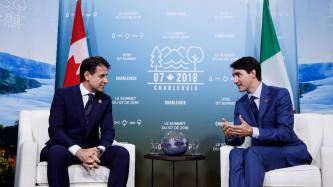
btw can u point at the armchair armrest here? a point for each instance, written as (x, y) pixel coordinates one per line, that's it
(224, 162)
(25, 173)
(327, 166)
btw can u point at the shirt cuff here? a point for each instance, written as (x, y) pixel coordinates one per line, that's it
(73, 149)
(255, 132)
(102, 148)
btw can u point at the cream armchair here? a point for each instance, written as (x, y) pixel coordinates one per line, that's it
(30, 172)
(316, 132)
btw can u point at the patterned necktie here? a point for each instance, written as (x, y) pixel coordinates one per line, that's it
(89, 105)
(254, 108)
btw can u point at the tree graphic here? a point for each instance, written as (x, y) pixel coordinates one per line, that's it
(156, 58)
(195, 55)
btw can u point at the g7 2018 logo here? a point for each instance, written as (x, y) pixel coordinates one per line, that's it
(176, 69)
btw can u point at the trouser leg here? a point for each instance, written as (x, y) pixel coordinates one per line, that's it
(58, 160)
(236, 167)
(258, 160)
(248, 166)
(116, 158)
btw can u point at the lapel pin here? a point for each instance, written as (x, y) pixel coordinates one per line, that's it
(99, 101)
(266, 100)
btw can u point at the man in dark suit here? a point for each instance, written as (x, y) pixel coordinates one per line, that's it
(264, 113)
(81, 129)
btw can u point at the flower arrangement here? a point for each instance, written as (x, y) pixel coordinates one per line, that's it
(7, 167)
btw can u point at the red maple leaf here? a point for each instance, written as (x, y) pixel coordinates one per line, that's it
(71, 78)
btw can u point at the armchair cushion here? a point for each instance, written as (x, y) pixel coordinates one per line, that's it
(77, 174)
(303, 175)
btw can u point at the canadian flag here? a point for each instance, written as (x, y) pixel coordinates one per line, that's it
(78, 50)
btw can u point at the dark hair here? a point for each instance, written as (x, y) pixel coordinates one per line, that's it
(248, 64)
(89, 64)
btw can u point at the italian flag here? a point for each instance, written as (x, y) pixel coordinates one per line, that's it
(272, 64)
(78, 50)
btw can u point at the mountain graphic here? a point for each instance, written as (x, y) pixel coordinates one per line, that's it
(11, 83)
(315, 71)
(175, 58)
(308, 73)
(26, 67)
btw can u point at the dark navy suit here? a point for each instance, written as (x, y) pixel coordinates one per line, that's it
(277, 145)
(69, 125)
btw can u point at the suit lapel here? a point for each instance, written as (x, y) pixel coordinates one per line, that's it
(77, 98)
(264, 100)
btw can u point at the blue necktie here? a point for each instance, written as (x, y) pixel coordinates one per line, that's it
(254, 108)
(89, 105)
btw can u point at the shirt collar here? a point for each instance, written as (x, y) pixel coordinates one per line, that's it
(257, 93)
(84, 90)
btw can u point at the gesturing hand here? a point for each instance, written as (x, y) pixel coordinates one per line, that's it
(227, 128)
(244, 129)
